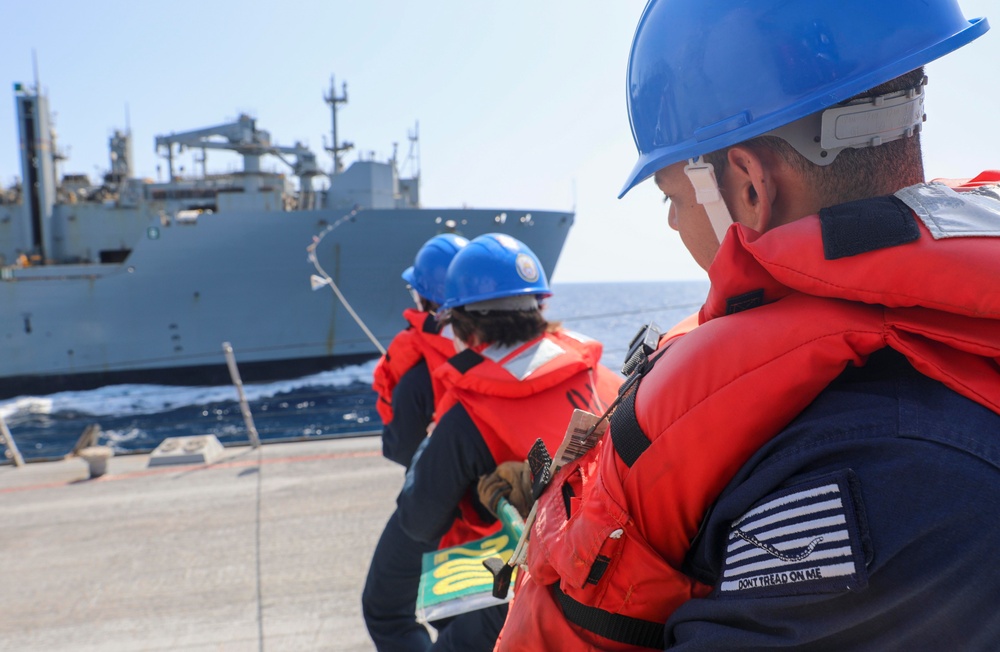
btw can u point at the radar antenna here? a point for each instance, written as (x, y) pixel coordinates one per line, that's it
(333, 100)
(413, 154)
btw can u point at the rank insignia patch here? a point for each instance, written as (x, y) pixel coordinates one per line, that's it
(806, 539)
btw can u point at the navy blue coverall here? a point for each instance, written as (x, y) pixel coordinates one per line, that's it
(412, 412)
(445, 468)
(823, 541)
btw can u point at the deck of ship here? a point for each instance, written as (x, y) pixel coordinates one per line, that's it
(266, 549)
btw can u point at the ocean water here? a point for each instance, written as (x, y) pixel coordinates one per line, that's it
(136, 418)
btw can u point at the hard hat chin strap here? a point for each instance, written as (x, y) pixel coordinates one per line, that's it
(820, 137)
(701, 173)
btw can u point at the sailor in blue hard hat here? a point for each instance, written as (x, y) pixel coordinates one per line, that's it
(407, 398)
(814, 465)
(426, 276)
(516, 378)
(402, 378)
(497, 272)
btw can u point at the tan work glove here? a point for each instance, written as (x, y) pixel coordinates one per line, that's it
(510, 480)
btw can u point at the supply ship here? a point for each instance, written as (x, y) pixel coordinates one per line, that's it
(127, 280)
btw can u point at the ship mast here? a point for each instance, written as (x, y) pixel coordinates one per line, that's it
(39, 157)
(337, 147)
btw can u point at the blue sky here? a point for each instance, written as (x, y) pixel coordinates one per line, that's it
(521, 104)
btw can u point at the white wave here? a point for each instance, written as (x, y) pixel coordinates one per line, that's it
(125, 400)
(119, 440)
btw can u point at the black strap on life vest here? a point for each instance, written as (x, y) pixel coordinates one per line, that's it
(431, 324)
(865, 225)
(628, 438)
(615, 627)
(627, 444)
(465, 360)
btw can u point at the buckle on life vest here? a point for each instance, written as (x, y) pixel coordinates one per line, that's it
(502, 572)
(641, 346)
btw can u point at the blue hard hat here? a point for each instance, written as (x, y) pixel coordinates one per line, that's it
(708, 74)
(430, 265)
(494, 266)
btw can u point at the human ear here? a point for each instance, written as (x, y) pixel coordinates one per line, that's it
(750, 188)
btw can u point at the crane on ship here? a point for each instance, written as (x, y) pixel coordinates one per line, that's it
(244, 138)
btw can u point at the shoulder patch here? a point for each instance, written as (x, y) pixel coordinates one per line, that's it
(806, 539)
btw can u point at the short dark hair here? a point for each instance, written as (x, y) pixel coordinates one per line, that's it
(504, 327)
(855, 173)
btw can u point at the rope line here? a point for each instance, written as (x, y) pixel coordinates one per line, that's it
(329, 280)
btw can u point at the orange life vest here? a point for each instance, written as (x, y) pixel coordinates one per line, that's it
(515, 396)
(419, 341)
(794, 320)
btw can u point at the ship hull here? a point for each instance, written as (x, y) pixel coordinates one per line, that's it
(207, 375)
(161, 316)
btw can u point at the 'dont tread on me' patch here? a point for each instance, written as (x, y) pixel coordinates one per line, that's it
(801, 540)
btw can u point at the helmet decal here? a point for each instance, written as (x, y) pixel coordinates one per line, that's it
(526, 268)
